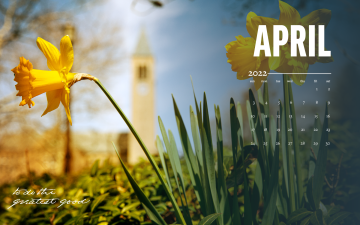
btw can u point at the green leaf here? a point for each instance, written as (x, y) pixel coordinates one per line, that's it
(251, 122)
(209, 219)
(71, 221)
(265, 121)
(283, 149)
(196, 138)
(169, 151)
(281, 201)
(298, 215)
(209, 157)
(320, 168)
(323, 209)
(273, 132)
(258, 179)
(176, 158)
(248, 215)
(296, 144)
(255, 200)
(305, 221)
(222, 188)
(162, 158)
(237, 173)
(110, 208)
(94, 168)
(97, 201)
(266, 106)
(176, 167)
(155, 217)
(247, 201)
(262, 157)
(309, 194)
(197, 145)
(241, 121)
(270, 206)
(189, 155)
(333, 209)
(337, 218)
(60, 215)
(235, 126)
(317, 218)
(288, 146)
(130, 206)
(315, 140)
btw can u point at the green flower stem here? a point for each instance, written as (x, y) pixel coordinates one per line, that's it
(298, 164)
(146, 151)
(288, 147)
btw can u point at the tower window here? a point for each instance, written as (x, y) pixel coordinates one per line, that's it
(142, 72)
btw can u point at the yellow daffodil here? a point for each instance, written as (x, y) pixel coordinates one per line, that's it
(240, 56)
(32, 82)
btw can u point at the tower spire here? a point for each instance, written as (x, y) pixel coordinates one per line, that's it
(142, 48)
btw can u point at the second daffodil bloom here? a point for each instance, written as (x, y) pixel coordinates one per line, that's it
(32, 82)
(284, 63)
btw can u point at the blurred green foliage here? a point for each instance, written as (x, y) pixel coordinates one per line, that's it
(112, 200)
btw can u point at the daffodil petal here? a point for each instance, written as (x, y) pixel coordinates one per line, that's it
(65, 100)
(260, 20)
(250, 28)
(241, 59)
(259, 80)
(53, 100)
(274, 62)
(288, 14)
(66, 53)
(285, 67)
(298, 77)
(317, 17)
(51, 53)
(247, 64)
(264, 66)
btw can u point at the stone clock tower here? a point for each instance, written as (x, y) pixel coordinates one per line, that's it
(143, 100)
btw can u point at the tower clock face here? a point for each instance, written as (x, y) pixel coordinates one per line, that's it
(143, 88)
